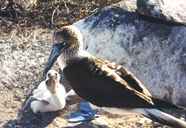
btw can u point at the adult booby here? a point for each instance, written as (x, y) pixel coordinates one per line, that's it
(104, 83)
(50, 95)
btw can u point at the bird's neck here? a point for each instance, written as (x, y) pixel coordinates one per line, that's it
(52, 85)
(57, 89)
(82, 54)
(64, 59)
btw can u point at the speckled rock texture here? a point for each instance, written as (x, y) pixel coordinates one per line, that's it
(154, 50)
(168, 10)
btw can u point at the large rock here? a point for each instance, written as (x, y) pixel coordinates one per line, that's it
(168, 10)
(155, 52)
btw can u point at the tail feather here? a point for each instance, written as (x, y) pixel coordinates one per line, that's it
(161, 117)
(161, 104)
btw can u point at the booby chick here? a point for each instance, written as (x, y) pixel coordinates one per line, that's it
(104, 83)
(50, 95)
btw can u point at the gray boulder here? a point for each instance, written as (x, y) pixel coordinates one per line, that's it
(153, 50)
(168, 10)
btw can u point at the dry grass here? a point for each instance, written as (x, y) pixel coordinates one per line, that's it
(46, 14)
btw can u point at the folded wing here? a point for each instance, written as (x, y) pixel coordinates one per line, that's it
(106, 84)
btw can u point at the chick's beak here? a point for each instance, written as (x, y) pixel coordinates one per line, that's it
(55, 53)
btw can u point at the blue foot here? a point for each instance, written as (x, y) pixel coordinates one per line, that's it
(85, 113)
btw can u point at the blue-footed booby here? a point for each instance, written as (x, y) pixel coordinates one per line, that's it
(104, 83)
(50, 94)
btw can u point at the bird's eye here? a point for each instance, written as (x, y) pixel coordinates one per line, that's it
(64, 43)
(49, 75)
(56, 75)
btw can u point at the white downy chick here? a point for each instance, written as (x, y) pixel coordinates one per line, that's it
(50, 95)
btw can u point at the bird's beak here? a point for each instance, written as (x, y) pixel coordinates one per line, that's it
(55, 53)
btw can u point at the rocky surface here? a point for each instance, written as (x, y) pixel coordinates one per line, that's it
(152, 49)
(172, 11)
(22, 58)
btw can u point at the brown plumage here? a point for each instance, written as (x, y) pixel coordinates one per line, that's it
(103, 83)
(106, 84)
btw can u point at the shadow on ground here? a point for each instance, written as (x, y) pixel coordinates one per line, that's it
(27, 119)
(87, 125)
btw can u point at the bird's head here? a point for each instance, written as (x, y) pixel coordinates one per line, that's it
(52, 81)
(67, 42)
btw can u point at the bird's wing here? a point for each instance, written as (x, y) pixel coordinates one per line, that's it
(126, 75)
(41, 93)
(105, 83)
(41, 88)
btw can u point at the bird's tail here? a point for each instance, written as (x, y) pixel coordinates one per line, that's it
(161, 117)
(161, 104)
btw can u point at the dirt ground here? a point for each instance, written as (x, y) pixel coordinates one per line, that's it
(22, 60)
